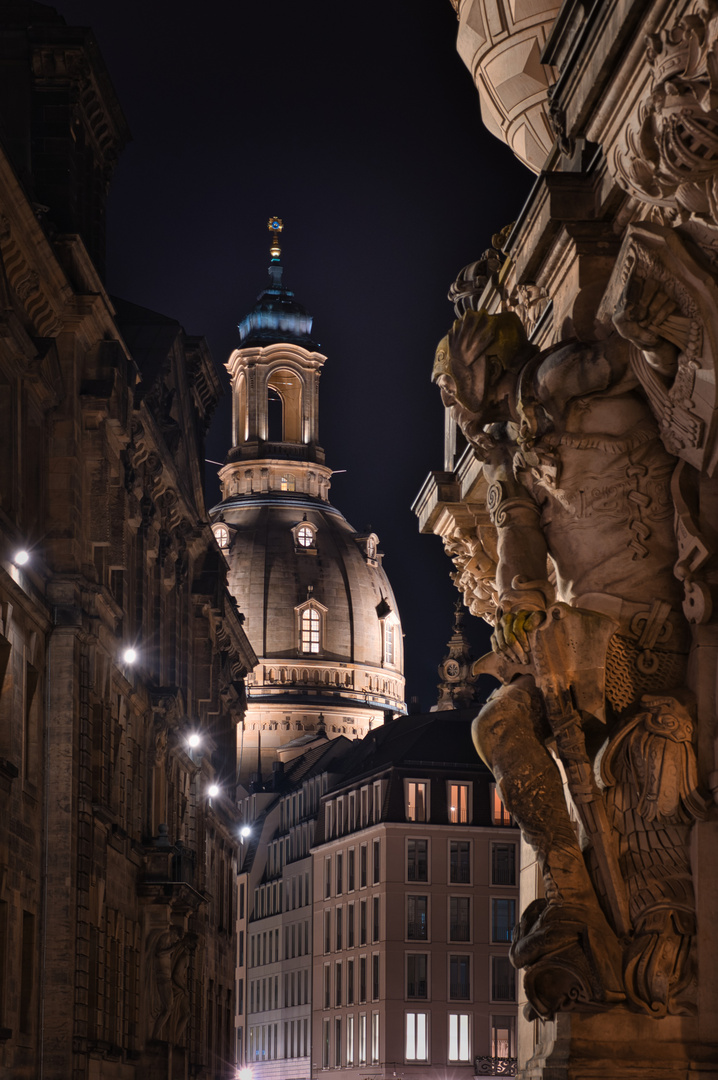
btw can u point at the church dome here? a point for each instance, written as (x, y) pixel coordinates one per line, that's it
(319, 610)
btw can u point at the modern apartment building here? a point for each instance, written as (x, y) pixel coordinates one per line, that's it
(401, 855)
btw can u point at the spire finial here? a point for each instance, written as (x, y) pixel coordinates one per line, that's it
(275, 226)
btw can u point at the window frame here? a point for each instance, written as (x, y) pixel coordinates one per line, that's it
(458, 1059)
(417, 840)
(458, 814)
(415, 1014)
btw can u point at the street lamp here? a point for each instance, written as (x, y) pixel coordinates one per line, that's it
(129, 655)
(21, 557)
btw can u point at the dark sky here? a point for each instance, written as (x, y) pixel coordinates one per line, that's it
(359, 126)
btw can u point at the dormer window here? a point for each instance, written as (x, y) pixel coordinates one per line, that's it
(310, 628)
(221, 535)
(389, 643)
(305, 536)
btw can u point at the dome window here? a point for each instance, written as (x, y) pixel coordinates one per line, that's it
(287, 483)
(305, 536)
(310, 631)
(221, 535)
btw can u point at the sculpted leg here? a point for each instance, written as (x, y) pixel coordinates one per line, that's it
(571, 955)
(507, 736)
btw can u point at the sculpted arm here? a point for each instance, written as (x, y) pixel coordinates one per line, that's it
(524, 591)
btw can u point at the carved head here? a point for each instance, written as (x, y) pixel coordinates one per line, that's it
(473, 359)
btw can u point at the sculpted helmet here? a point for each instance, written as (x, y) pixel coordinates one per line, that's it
(499, 342)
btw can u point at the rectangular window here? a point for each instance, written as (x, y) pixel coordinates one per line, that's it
(417, 860)
(459, 918)
(338, 984)
(416, 975)
(362, 1039)
(459, 1049)
(503, 918)
(503, 864)
(375, 919)
(350, 926)
(327, 987)
(503, 979)
(350, 871)
(376, 846)
(362, 866)
(362, 979)
(417, 918)
(340, 873)
(499, 813)
(310, 626)
(459, 804)
(350, 1040)
(375, 977)
(327, 877)
(362, 922)
(459, 978)
(325, 1044)
(376, 808)
(327, 931)
(339, 929)
(375, 1038)
(350, 982)
(388, 643)
(417, 1043)
(503, 1036)
(460, 862)
(416, 802)
(337, 1041)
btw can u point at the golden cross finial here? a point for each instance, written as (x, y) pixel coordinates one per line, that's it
(275, 226)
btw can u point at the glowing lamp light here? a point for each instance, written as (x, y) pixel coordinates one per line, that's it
(129, 655)
(213, 791)
(194, 740)
(21, 557)
(244, 1074)
(246, 831)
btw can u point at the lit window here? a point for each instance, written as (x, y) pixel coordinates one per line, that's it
(458, 804)
(417, 1043)
(415, 801)
(310, 630)
(350, 1039)
(305, 536)
(499, 813)
(503, 918)
(503, 1036)
(362, 1039)
(221, 535)
(287, 483)
(375, 1038)
(459, 1037)
(388, 643)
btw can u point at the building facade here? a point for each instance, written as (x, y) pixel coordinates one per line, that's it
(122, 654)
(381, 886)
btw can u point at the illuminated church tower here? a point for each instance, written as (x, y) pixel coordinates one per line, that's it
(319, 609)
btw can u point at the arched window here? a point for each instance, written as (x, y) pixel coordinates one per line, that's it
(284, 406)
(221, 535)
(388, 643)
(310, 629)
(287, 483)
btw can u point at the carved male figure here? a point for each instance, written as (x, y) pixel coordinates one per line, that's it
(588, 611)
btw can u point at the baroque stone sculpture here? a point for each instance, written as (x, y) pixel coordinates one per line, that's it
(592, 456)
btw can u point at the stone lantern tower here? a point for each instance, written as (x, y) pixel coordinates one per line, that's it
(319, 609)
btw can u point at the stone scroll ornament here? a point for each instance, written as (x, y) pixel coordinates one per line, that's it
(668, 157)
(591, 734)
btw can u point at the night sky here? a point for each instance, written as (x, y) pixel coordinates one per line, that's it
(359, 126)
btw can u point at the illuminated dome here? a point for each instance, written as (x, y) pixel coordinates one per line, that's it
(319, 610)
